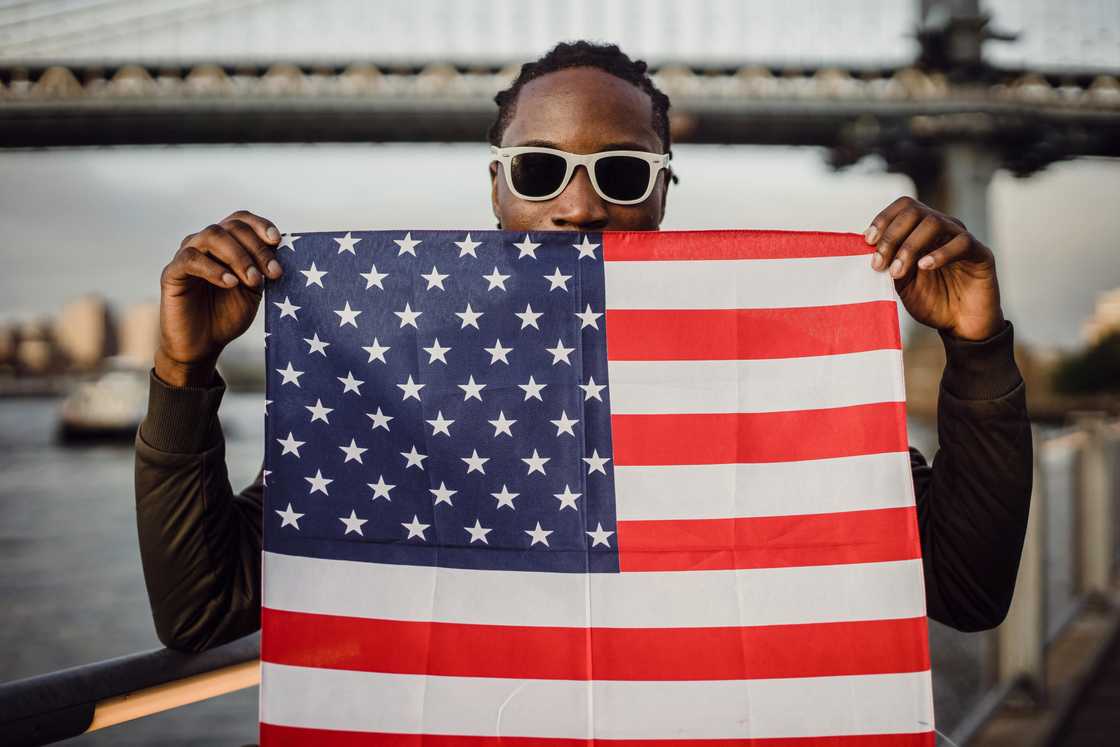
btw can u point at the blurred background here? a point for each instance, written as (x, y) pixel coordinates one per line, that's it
(126, 125)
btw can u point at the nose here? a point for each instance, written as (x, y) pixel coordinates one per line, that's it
(579, 206)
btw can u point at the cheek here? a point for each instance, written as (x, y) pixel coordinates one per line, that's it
(643, 217)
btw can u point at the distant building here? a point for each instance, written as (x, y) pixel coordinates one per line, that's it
(1105, 318)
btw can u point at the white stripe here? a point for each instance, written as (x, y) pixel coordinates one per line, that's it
(769, 385)
(766, 596)
(745, 283)
(725, 491)
(491, 706)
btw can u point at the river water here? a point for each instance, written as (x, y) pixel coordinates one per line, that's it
(73, 589)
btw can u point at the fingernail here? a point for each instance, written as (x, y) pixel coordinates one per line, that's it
(272, 233)
(274, 268)
(229, 278)
(254, 276)
(871, 234)
(925, 263)
(877, 261)
(896, 268)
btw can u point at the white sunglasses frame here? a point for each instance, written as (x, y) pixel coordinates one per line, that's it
(504, 156)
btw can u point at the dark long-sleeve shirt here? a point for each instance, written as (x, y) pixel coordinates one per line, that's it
(200, 541)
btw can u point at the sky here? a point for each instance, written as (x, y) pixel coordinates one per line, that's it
(107, 220)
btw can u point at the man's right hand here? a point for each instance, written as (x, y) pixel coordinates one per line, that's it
(209, 294)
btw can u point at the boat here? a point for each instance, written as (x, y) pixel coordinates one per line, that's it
(108, 408)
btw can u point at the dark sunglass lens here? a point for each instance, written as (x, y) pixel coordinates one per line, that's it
(537, 174)
(622, 177)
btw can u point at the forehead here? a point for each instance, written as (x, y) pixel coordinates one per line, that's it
(583, 109)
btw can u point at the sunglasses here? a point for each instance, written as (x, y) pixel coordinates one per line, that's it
(624, 177)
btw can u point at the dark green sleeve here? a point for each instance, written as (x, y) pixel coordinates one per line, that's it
(974, 499)
(200, 542)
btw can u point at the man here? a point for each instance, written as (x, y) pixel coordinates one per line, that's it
(201, 542)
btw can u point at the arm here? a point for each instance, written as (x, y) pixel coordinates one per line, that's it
(200, 543)
(973, 501)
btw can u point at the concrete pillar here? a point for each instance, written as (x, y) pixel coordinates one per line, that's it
(956, 182)
(1096, 509)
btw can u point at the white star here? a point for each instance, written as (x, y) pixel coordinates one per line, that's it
(380, 420)
(347, 244)
(266, 334)
(591, 389)
(600, 536)
(535, 463)
(538, 534)
(469, 317)
(407, 245)
(502, 425)
(350, 384)
(505, 498)
(287, 308)
(267, 402)
(587, 318)
(466, 246)
(376, 351)
(415, 528)
(347, 316)
(442, 494)
(414, 458)
(380, 488)
(528, 317)
(319, 483)
(560, 353)
(264, 476)
(567, 498)
(437, 352)
(478, 532)
(595, 463)
(475, 462)
(532, 390)
(556, 280)
(496, 279)
(471, 389)
(291, 376)
(353, 523)
(498, 353)
(290, 517)
(314, 276)
(317, 345)
(373, 277)
(564, 424)
(291, 446)
(318, 412)
(441, 424)
(435, 279)
(528, 248)
(408, 316)
(585, 248)
(410, 389)
(353, 452)
(288, 241)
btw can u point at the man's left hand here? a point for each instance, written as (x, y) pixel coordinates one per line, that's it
(944, 275)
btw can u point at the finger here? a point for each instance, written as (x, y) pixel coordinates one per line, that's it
(961, 245)
(921, 240)
(219, 243)
(894, 234)
(264, 256)
(885, 216)
(263, 227)
(191, 263)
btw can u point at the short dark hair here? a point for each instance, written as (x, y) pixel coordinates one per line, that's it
(606, 57)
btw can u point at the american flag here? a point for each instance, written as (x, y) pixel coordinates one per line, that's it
(562, 488)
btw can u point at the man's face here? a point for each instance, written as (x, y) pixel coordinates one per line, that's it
(580, 110)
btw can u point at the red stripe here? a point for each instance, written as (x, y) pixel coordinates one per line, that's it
(460, 650)
(665, 245)
(273, 735)
(870, 536)
(749, 437)
(749, 334)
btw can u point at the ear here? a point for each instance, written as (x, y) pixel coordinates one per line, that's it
(494, 192)
(664, 196)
